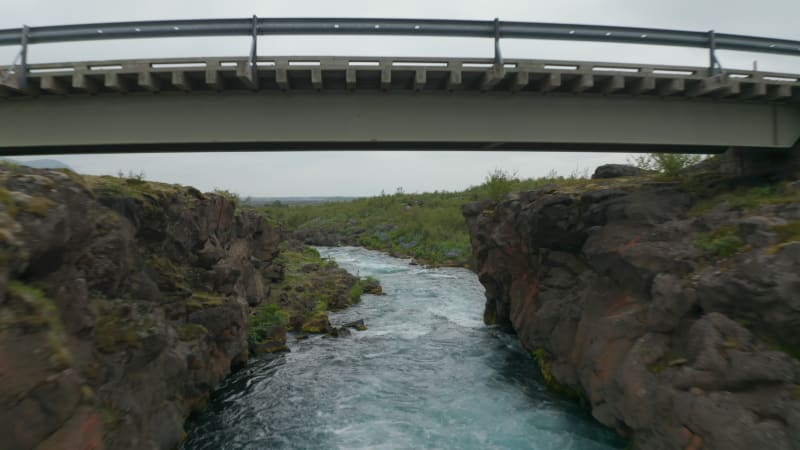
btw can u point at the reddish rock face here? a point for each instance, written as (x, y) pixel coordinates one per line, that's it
(671, 344)
(122, 304)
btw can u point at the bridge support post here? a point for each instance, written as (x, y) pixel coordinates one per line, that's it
(253, 62)
(739, 161)
(22, 74)
(714, 66)
(498, 56)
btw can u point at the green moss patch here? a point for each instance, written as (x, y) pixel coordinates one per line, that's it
(8, 164)
(267, 326)
(8, 202)
(721, 243)
(31, 309)
(789, 232)
(147, 192)
(191, 332)
(544, 359)
(113, 333)
(202, 300)
(38, 206)
(749, 198)
(37, 310)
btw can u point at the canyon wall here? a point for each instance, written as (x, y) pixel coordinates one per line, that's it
(670, 308)
(123, 304)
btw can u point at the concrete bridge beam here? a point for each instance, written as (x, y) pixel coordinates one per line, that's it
(550, 82)
(386, 78)
(612, 84)
(520, 81)
(582, 83)
(181, 81)
(148, 82)
(439, 119)
(454, 80)
(492, 77)
(779, 92)
(642, 85)
(117, 83)
(671, 87)
(420, 79)
(245, 75)
(53, 85)
(84, 83)
(215, 80)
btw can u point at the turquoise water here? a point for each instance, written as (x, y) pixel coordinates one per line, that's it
(426, 374)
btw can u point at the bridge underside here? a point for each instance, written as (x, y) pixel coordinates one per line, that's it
(311, 120)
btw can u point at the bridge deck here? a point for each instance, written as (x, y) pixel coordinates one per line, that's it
(393, 103)
(411, 74)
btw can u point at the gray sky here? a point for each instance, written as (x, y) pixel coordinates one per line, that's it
(367, 173)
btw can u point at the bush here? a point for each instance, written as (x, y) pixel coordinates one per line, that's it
(668, 164)
(500, 183)
(231, 196)
(266, 318)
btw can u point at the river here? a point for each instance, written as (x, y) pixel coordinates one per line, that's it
(426, 374)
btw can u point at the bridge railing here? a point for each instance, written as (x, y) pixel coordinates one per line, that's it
(495, 29)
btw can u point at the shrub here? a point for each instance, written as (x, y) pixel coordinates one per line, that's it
(721, 243)
(267, 317)
(499, 183)
(232, 196)
(668, 164)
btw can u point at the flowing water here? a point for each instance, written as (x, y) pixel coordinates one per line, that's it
(426, 374)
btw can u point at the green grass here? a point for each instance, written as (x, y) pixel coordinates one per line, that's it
(266, 318)
(202, 300)
(428, 226)
(750, 198)
(789, 232)
(9, 164)
(113, 333)
(721, 243)
(191, 331)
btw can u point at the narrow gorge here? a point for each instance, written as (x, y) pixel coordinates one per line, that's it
(628, 309)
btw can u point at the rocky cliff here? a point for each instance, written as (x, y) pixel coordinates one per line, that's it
(123, 303)
(670, 308)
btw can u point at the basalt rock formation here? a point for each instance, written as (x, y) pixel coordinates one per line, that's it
(122, 305)
(671, 309)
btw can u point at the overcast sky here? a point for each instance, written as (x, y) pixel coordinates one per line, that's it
(367, 173)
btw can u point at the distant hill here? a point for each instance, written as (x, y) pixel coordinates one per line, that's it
(277, 201)
(40, 163)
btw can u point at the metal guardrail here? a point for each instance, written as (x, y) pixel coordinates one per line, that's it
(495, 29)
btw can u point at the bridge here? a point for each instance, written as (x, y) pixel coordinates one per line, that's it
(256, 102)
